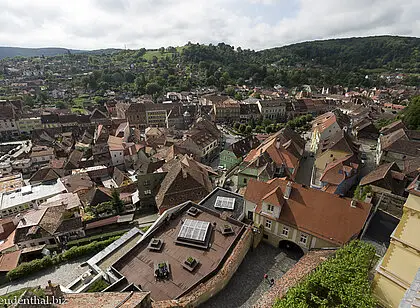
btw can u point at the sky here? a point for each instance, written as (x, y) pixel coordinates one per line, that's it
(254, 24)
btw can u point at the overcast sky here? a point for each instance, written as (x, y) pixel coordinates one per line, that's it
(255, 24)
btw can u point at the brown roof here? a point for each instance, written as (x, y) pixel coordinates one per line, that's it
(96, 195)
(46, 174)
(340, 141)
(284, 148)
(77, 182)
(348, 165)
(379, 173)
(319, 213)
(106, 300)
(399, 142)
(138, 264)
(74, 160)
(392, 127)
(41, 151)
(243, 146)
(9, 261)
(185, 180)
(102, 222)
(412, 167)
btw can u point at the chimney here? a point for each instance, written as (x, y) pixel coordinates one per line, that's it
(288, 190)
(278, 144)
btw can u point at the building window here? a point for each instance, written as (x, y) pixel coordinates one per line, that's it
(285, 231)
(146, 183)
(245, 180)
(265, 236)
(147, 192)
(303, 239)
(268, 224)
(270, 207)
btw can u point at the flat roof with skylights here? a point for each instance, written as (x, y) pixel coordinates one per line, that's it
(194, 239)
(225, 203)
(194, 233)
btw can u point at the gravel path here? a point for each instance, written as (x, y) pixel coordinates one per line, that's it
(248, 283)
(62, 274)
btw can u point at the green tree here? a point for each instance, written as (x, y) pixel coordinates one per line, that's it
(238, 96)
(242, 128)
(28, 101)
(411, 114)
(153, 88)
(236, 125)
(230, 91)
(129, 77)
(268, 129)
(248, 129)
(116, 201)
(341, 281)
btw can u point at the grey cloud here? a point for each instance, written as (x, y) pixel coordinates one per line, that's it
(154, 23)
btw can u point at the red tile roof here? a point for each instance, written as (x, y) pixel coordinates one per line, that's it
(9, 261)
(319, 213)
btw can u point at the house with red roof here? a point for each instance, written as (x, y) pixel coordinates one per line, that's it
(279, 155)
(296, 215)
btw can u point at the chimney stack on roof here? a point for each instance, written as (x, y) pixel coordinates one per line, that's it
(288, 190)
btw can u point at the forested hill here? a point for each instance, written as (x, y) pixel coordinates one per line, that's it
(10, 52)
(367, 52)
(349, 62)
(343, 61)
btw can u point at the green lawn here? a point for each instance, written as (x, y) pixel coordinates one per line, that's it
(151, 53)
(79, 110)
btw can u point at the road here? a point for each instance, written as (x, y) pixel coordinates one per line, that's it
(365, 145)
(303, 175)
(248, 283)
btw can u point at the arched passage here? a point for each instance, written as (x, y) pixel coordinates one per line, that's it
(291, 249)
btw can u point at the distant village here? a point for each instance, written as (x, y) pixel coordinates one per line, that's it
(305, 170)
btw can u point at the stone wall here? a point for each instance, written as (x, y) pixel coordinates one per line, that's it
(215, 284)
(296, 274)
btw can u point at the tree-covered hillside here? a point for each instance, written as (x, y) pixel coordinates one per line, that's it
(348, 62)
(380, 52)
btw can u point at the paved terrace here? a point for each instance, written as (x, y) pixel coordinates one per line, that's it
(138, 265)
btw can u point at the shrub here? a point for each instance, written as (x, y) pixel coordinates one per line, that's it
(27, 268)
(98, 286)
(341, 281)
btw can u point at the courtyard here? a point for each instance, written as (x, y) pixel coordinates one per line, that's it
(248, 283)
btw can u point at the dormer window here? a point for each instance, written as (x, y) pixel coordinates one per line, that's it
(270, 207)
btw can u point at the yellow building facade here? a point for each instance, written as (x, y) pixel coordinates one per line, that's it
(396, 271)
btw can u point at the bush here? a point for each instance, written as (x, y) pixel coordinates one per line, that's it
(341, 281)
(361, 192)
(98, 286)
(248, 129)
(27, 268)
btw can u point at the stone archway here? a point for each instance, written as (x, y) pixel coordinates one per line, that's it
(291, 249)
